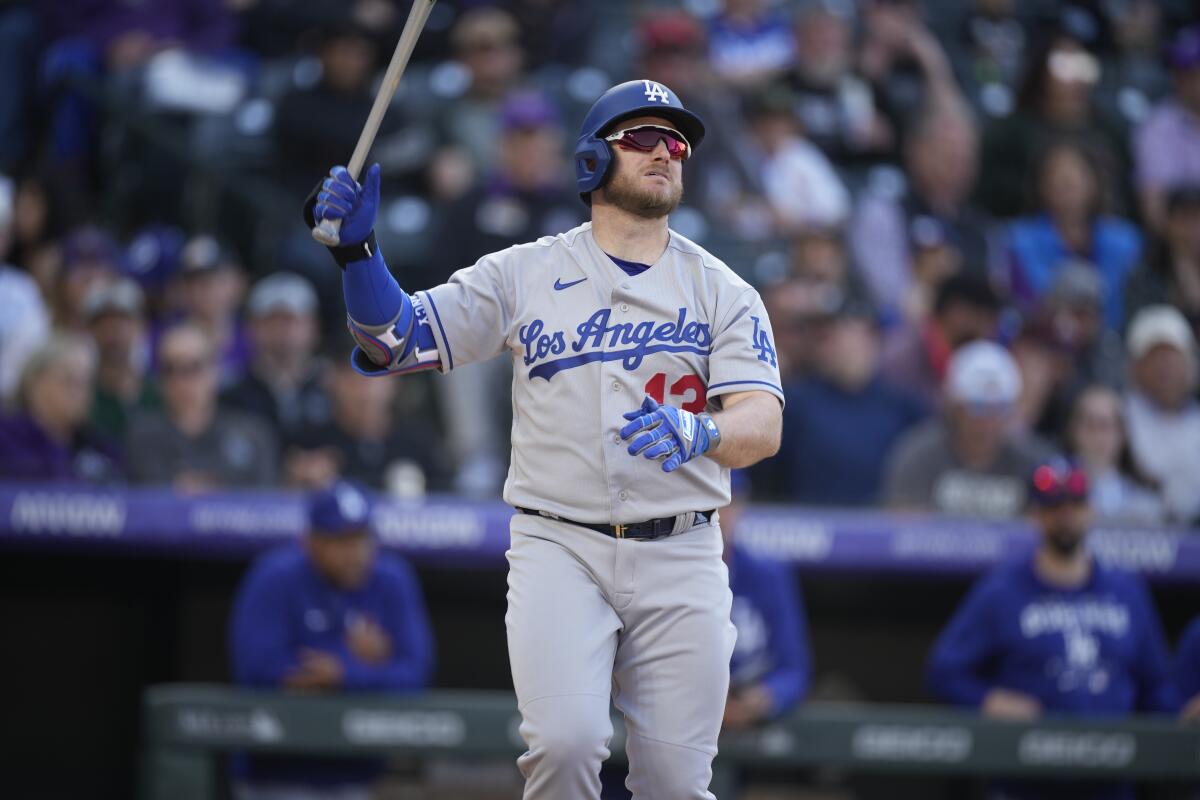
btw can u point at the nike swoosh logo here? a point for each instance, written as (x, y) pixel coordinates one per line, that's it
(559, 285)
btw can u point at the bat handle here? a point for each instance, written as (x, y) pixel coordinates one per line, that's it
(328, 232)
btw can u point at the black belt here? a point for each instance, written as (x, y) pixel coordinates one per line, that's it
(650, 529)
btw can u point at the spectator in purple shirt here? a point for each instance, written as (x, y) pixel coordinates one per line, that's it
(1167, 144)
(47, 439)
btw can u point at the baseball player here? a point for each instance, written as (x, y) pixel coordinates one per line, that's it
(644, 370)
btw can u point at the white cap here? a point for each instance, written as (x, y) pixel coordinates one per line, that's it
(1155, 325)
(282, 291)
(983, 373)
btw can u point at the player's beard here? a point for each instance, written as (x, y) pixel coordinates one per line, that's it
(1064, 540)
(624, 193)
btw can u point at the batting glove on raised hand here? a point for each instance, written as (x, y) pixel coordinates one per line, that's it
(671, 434)
(342, 197)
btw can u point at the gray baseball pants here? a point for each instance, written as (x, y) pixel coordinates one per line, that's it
(644, 622)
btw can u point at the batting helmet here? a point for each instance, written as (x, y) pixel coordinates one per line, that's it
(630, 99)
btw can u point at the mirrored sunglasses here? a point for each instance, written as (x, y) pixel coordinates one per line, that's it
(644, 138)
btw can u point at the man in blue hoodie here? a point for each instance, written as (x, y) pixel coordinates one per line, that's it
(329, 614)
(1056, 633)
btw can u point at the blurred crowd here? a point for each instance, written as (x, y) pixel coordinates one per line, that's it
(976, 226)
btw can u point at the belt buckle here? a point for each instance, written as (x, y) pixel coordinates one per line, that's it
(620, 530)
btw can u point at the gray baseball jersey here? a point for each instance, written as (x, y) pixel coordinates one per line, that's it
(588, 342)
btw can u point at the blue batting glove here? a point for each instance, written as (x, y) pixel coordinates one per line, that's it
(342, 197)
(671, 434)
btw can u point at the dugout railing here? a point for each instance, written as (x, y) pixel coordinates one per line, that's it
(186, 726)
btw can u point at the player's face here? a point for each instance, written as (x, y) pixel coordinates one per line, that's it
(1064, 526)
(649, 185)
(344, 560)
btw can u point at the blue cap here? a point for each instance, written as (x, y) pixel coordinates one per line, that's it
(525, 110)
(343, 507)
(1184, 52)
(92, 245)
(153, 256)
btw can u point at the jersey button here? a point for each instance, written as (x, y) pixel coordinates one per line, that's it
(616, 386)
(624, 306)
(616, 438)
(623, 495)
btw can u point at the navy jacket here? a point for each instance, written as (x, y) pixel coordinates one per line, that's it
(1095, 650)
(284, 606)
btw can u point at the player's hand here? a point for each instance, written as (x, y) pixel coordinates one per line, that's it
(368, 642)
(1010, 705)
(342, 197)
(317, 670)
(669, 434)
(746, 707)
(1191, 710)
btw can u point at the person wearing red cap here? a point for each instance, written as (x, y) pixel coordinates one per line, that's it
(1056, 632)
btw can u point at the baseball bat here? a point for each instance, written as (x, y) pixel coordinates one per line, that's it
(328, 231)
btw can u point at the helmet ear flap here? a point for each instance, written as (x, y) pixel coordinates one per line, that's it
(592, 159)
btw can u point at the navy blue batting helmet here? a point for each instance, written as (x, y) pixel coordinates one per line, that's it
(630, 99)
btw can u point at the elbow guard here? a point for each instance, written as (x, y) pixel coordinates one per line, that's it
(404, 344)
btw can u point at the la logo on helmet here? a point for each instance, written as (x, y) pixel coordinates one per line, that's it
(656, 91)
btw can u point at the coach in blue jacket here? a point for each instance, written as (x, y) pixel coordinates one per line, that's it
(329, 614)
(1056, 633)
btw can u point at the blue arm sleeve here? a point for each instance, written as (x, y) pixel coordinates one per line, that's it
(1157, 691)
(1187, 661)
(956, 672)
(260, 644)
(373, 297)
(788, 681)
(407, 625)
